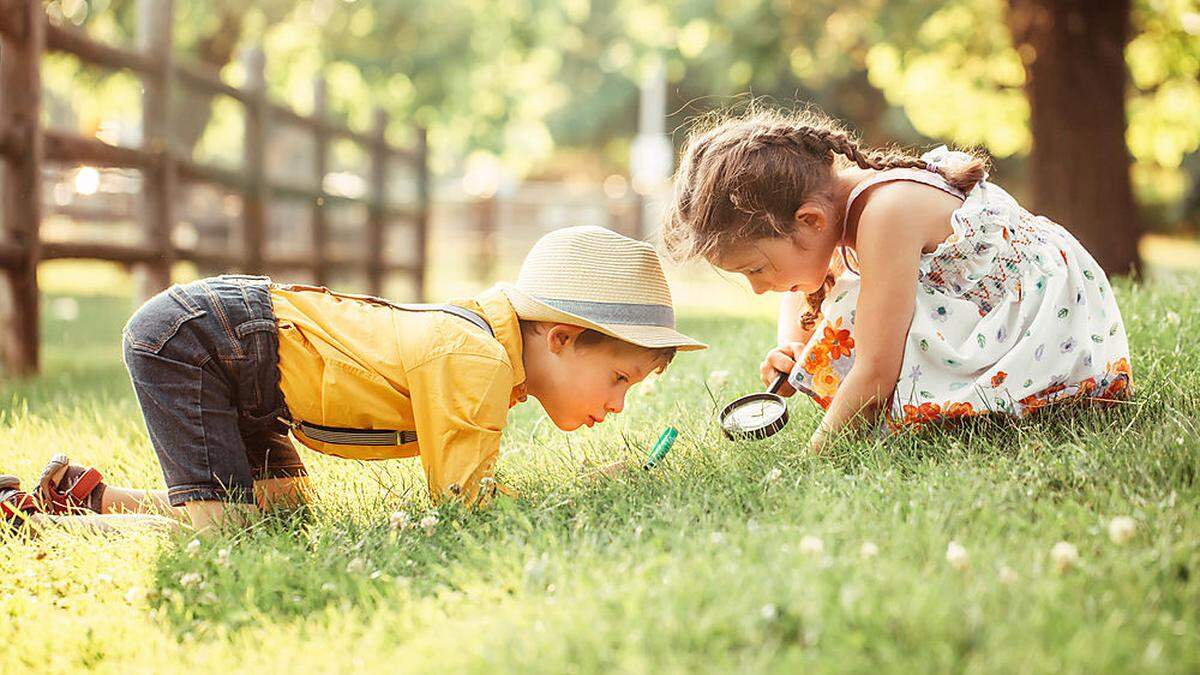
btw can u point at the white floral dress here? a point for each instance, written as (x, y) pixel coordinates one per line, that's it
(1011, 314)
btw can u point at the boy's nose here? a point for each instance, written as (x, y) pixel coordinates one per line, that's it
(616, 406)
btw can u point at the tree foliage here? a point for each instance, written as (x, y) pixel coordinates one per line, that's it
(525, 79)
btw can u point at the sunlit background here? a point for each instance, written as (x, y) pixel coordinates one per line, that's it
(542, 114)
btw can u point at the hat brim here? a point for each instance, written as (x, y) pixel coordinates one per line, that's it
(652, 337)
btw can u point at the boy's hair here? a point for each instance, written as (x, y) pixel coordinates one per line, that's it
(593, 338)
(742, 178)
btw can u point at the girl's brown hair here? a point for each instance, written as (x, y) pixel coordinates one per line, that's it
(741, 179)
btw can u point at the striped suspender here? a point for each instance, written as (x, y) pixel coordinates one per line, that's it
(383, 437)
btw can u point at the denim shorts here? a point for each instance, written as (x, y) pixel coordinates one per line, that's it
(204, 360)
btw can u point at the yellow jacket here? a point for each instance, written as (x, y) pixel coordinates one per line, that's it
(347, 361)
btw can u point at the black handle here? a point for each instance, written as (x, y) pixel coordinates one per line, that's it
(777, 384)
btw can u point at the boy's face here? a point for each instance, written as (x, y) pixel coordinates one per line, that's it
(581, 384)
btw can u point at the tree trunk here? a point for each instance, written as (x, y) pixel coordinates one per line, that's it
(214, 51)
(1074, 56)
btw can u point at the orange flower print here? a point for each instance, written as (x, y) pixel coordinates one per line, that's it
(926, 412)
(1117, 388)
(1087, 386)
(959, 409)
(825, 382)
(824, 401)
(1032, 402)
(818, 358)
(837, 340)
(998, 378)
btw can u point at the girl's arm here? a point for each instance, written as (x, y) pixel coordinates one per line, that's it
(789, 329)
(889, 242)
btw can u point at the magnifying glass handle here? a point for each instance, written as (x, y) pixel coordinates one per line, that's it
(778, 383)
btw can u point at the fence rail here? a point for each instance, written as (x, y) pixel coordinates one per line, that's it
(26, 34)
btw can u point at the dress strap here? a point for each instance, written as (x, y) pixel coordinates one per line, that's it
(930, 178)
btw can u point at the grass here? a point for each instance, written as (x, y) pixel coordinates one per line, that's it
(696, 566)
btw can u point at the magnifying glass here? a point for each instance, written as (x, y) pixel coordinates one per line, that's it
(756, 416)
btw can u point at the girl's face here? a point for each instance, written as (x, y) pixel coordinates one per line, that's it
(793, 263)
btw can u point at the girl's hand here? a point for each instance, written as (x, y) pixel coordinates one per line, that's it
(780, 360)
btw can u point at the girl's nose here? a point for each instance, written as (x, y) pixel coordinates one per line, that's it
(759, 288)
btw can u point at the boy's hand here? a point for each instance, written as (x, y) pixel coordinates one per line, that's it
(611, 470)
(615, 469)
(782, 359)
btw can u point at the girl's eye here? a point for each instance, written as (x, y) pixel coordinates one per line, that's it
(621, 378)
(754, 271)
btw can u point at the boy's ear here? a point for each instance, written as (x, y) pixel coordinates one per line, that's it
(562, 335)
(810, 215)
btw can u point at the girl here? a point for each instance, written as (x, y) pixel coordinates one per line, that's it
(916, 290)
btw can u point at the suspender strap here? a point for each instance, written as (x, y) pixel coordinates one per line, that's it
(344, 436)
(460, 312)
(384, 437)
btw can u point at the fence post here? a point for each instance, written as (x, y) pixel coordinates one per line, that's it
(320, 227)
(377, 214)
(420, 274)
(485, 219)
(638, 224)
(254, 204)
(155, 24)
(20, 114)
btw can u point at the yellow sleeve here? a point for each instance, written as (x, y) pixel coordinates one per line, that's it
(460, 406)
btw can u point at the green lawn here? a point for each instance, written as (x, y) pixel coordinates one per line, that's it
(700, 565)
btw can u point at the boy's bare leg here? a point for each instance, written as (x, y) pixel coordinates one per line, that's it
(283, 493)
(205, 515)
(270, 494)
(129, 500)
(122, 500)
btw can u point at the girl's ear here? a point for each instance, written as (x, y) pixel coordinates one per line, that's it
(811, 215)
(561, 336)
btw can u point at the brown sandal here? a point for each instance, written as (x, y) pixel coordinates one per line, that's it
(79, 489)
(15, 506)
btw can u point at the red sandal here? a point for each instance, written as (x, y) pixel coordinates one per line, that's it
(15, 506)
(79, 489)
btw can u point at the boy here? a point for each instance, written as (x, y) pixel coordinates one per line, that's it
(223, 368)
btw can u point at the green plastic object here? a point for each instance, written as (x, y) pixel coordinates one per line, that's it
(662, 447)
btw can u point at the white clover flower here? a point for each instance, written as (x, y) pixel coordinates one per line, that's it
(328, 587)
(190, 579)
(1121, 529)
(868, 550)
(429, 522)
(716, 538)
(810, 545)
(134, 595)
(718, 378)
(400, 520)
(1173, 318)
(769, 612)
(774, 474)
(1064, 555)
(957, 556)
(223, 557)
(1007, 575)
(356, 565)
(193, 547)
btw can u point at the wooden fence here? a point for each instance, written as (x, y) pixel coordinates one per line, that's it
(24, 147)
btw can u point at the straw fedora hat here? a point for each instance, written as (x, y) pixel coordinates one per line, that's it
(592, 277)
